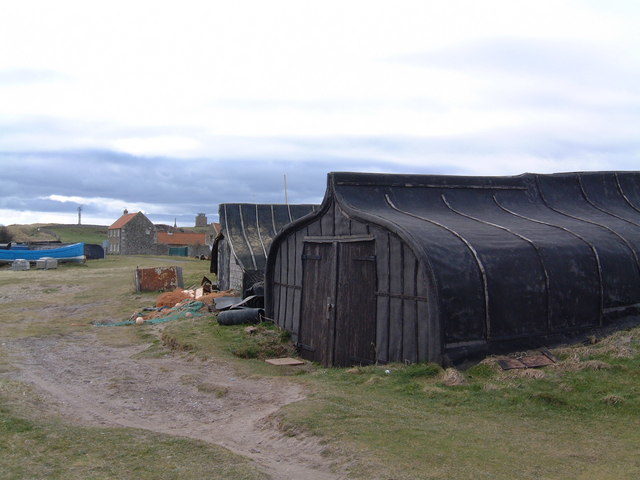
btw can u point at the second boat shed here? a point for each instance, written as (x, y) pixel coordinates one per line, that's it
(239, 252)
(411, 268)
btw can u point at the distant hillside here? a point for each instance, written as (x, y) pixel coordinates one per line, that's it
(40, 232)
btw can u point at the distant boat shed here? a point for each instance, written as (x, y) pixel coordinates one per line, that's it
(411, 268)
(239, 252)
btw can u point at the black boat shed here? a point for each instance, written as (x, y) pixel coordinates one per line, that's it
(239, 251)
(412, 268)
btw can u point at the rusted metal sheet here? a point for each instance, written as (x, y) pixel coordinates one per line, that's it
(155, 279)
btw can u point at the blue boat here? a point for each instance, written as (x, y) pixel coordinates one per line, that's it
(68, 253)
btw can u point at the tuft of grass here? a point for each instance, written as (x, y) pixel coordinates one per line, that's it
(481, 371)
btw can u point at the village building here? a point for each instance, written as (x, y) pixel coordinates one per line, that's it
(201, 220)
(414, 268)
(239, 251)
(131, 234)
(181, 239)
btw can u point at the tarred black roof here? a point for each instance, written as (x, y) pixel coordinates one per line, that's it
(510, 256)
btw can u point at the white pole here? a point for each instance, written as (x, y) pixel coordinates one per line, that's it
(286, 196)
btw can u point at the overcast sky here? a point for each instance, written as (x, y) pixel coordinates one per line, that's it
(174, 107)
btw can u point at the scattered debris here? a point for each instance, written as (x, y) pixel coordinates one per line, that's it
(240, 316)
(232, 303)
(171, 299)
(207, 285)
(209, 298)
(46, 263)
(226, 302)
(284, 361)
(251, 330)
(20, 264)
(541, 358)
(186, 308)
(158, 279)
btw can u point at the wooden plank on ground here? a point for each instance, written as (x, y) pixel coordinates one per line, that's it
(284, 361)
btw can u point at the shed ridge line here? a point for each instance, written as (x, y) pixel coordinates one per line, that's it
(586, 197)
(273, 221)
(246, 239)
(522, 237)
(624, 196)
(624, 240)
(346, 183)
(259, 235)
(591, 247)
(483, 273)
(226, 226)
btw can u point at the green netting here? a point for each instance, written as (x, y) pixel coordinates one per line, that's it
(175, 313)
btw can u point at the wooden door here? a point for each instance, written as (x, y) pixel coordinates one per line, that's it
(355, 316)
(315, 336)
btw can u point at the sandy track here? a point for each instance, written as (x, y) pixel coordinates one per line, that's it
(96, 384)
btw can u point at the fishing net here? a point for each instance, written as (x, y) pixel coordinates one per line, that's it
(179, 311)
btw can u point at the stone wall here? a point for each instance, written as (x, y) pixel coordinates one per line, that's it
(138, 236)
(197, 250)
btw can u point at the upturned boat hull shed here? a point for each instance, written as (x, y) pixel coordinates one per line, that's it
(412, 268)
(239, 252)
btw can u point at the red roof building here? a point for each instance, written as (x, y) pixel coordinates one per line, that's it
(182, 239)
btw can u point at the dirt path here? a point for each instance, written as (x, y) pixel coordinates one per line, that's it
(96, 384)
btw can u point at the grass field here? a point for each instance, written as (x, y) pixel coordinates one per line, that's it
(35, 444)
(65, 233)
(579, 419)
(79, 233)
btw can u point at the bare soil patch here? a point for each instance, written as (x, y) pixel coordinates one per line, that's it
(96, 384)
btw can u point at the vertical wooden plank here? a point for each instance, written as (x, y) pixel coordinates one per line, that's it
(228, 258)
(358, 228)
(341, 222)
(284, 252)
(382, 315)
(314, 229)
(409, 325)
(395, 304)
(276, 289)
(327, 222)
(291, 272)
(297, 293)
(429, 329)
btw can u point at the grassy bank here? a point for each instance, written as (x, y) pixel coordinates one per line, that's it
(78, 233)
(578, 419)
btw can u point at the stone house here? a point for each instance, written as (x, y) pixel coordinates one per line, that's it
(132, 234)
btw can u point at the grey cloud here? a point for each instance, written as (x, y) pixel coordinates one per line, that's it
(179, 188)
